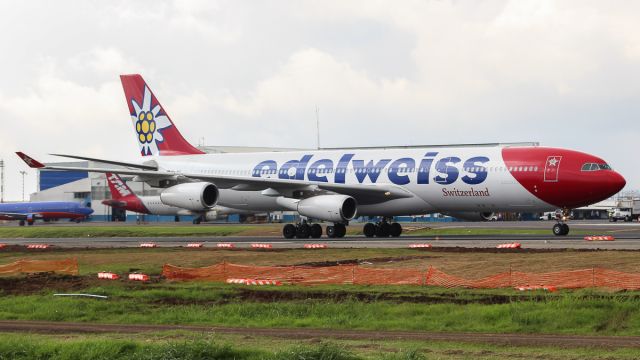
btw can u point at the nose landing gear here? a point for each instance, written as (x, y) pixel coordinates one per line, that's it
(561, 228)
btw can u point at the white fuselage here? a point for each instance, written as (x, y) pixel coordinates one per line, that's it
(441, 178)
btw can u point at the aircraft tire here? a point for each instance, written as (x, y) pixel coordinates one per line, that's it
(396, 229)
(331, 231)
(560, 229)
(21, 223)
(303, 231)
(383, 229)
(289, 231)
(316, 231)
(341, 230)
(369, 230)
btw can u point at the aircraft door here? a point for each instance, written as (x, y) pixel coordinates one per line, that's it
(552, 168)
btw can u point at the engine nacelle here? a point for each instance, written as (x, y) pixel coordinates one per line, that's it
(335, 208)
(473, 216)
(196, 196)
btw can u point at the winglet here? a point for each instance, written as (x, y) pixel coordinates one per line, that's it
(33, 163)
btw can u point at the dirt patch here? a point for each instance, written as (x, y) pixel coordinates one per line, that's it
(270, 296)
(340, 296)
(37, 283)
(304, 333)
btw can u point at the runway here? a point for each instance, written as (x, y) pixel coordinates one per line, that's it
(627, 237)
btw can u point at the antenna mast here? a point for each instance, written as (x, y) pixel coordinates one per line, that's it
(317, 127)
(1, 181)
(23, 173)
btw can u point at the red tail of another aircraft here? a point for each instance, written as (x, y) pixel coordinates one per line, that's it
(122, 196)
(155, 132)
(119, 189)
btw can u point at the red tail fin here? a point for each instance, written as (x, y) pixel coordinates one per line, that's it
(122, 196)
(155, 132)
(119, 189)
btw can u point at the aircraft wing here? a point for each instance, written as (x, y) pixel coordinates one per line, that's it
(363, 193)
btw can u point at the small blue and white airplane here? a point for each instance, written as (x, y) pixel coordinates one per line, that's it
(29, 212)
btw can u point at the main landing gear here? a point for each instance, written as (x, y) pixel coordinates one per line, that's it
(382, 229)
(305, 230)
(561, 228)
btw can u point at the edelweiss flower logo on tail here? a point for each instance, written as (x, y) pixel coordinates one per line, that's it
(148, 122)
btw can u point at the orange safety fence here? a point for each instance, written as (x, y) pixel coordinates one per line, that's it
(68, 266)
(361, 275)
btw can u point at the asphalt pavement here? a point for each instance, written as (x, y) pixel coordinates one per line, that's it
(627, 237)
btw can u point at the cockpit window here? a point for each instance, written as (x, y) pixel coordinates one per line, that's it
(595, 167)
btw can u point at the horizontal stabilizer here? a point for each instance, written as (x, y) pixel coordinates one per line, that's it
(33, 163)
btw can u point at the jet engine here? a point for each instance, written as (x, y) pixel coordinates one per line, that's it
(473, 216)
(335, 208)
(196, 196)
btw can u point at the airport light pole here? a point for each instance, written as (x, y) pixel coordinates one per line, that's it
(1, 181)
(23, 173)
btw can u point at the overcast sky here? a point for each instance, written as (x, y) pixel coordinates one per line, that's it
(563, 73)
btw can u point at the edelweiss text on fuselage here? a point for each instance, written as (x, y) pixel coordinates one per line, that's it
(400, 171)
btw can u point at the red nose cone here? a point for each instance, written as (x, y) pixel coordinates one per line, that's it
(616, 182)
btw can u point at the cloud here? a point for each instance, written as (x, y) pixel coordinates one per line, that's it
(312, 77)
(565, 73)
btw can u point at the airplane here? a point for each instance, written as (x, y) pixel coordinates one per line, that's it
(336, 185)
(124, 198)
(29, 212)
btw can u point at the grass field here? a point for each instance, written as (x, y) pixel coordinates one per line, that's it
(56, 231)
(335, 307)
(181, 345)
(586, 312)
